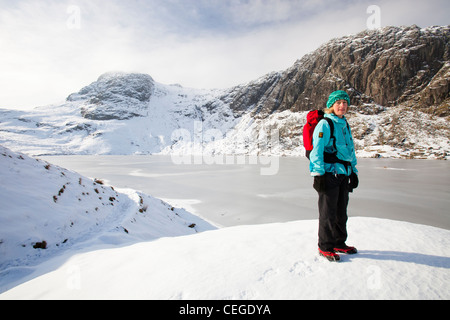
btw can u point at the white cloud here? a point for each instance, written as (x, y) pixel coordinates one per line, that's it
(262, 11)
(44, 56)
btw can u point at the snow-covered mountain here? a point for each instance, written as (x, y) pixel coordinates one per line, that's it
(97, 121)
(65, 236)
(397, 77)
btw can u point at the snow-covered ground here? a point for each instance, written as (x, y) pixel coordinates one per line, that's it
(131, 245)
(45, 205)
(397, 260)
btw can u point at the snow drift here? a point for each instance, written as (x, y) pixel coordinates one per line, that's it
(47, 210)
(272, 261)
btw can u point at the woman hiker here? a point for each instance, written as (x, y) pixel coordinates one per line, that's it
(333, 166)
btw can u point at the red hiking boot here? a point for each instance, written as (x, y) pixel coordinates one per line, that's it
(346, 249)
(330, 255)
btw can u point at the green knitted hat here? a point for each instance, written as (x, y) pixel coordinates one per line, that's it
(336, 96)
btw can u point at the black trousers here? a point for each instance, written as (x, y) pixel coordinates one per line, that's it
(333, 212)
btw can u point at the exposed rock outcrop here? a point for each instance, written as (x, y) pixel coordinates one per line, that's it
(115, 96)
(388, 67)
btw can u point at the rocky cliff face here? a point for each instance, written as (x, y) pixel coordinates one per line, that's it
(387, 67)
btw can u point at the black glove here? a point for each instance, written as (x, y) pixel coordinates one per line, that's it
(319, 183)
(353, 181)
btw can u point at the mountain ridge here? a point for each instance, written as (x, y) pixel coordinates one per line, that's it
(398, 79)
(387, 67)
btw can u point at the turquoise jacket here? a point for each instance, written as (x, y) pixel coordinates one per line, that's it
(344, 144)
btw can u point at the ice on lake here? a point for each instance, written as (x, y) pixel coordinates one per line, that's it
(232, 193)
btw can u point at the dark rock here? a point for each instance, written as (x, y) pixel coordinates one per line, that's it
(388, 67)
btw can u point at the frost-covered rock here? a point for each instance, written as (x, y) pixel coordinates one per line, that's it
(115, 95)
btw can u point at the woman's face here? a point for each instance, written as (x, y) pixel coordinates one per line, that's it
(340, 108)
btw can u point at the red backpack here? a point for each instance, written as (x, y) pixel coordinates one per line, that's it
(312, 119)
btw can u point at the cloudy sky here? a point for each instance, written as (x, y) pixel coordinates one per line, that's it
(51, 48)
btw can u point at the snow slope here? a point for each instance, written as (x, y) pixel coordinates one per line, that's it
(137, 247)
(272, 261)
(42, 202)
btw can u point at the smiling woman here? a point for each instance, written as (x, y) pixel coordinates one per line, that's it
(334, 177)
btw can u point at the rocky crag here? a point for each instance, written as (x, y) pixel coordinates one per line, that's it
(398, 79)
(388, 67)
(101, 98)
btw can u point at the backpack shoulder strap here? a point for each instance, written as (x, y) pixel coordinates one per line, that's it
(331, 124)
